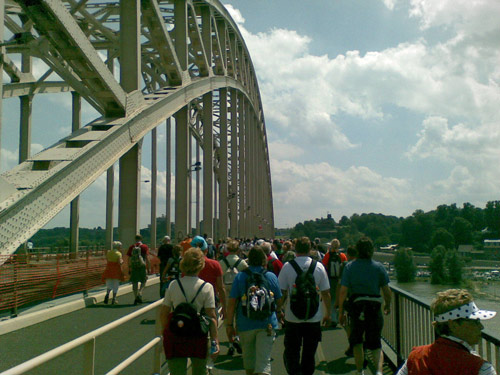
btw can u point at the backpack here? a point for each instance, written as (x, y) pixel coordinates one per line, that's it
(304, 299)
(334, 263)
(174, 270)
(231, 271)
(185, 320)
(258, 301)
(136, 259)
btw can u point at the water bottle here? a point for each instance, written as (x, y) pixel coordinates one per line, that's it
(210, 361)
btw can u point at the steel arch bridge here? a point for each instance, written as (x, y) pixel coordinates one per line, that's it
(140, 64)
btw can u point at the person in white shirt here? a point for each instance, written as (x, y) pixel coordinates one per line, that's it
(302, 334)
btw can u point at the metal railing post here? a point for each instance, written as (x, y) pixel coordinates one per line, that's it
(397, 310)
(159, 346)
(89, 357)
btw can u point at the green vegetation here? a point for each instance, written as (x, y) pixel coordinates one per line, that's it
(406, 269)
(447, 226)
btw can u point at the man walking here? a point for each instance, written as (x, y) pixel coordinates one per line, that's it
(299, 280)
(363, 280)
(332, 261)
(164, 253)
(139, 267)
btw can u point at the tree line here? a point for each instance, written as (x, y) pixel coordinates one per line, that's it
(448, 226)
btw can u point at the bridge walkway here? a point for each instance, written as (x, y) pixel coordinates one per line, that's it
(113, 347)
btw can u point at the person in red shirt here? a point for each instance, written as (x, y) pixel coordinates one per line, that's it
(186, 244)
(142, 279)
(212, 273)
(457, 327)
(273, 263)
(332, 262)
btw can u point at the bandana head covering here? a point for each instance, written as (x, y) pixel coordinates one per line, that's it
(200, 242)
(468, 311)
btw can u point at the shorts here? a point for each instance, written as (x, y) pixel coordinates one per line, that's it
(257, 346)
(367, 320)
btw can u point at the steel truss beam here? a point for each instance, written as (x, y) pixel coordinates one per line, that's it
(69, 37)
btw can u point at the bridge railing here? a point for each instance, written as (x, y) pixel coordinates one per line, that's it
(410, 324)
(88, 341)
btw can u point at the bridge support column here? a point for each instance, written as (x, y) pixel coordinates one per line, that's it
(248, 177)
(110, 184)
(233, 192)
(208, 166)
(181, 174)
(130, 50)
(241, 167)
(223, 172)
(154, 174)
(74, 221)
(169, 176)
(129, 195)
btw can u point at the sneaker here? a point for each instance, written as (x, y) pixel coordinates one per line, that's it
(114, 301)
(139, 299)
(136, 301)
(230, 351)
(237, 345)
(106, 299)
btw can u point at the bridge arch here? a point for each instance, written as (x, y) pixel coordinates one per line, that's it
(139, 64)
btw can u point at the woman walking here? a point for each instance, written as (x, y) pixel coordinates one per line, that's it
(113, 274)
(189, 290)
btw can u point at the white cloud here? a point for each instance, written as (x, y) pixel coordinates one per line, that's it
(235, 14)
(306, 191)
(390, 3)
(280, 150)
(9, 159)
(474, 17)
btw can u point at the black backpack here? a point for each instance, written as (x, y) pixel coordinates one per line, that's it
(304, 299)
(186, 321)
(334, 263)
(258, 301)
(174, 270)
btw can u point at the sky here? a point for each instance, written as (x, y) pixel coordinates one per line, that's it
(383, 106)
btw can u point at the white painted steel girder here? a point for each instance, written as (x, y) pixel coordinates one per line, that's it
(70, 37)
(36, 196)
(53, 20)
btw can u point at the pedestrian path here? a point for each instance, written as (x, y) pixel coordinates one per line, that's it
(35, 339)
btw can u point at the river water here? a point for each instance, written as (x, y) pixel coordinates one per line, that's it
(487, 298)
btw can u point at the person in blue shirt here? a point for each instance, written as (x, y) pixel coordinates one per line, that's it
(366, 282)
(257, 336)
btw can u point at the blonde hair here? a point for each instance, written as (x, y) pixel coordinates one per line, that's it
(335, 244)
(447, 301)
(233, 246)
(116, 245)
(192, 262)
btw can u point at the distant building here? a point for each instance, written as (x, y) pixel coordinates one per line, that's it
(492, 244)
(466, 250)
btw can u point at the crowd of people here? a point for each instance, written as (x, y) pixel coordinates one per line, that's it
(256, 286)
